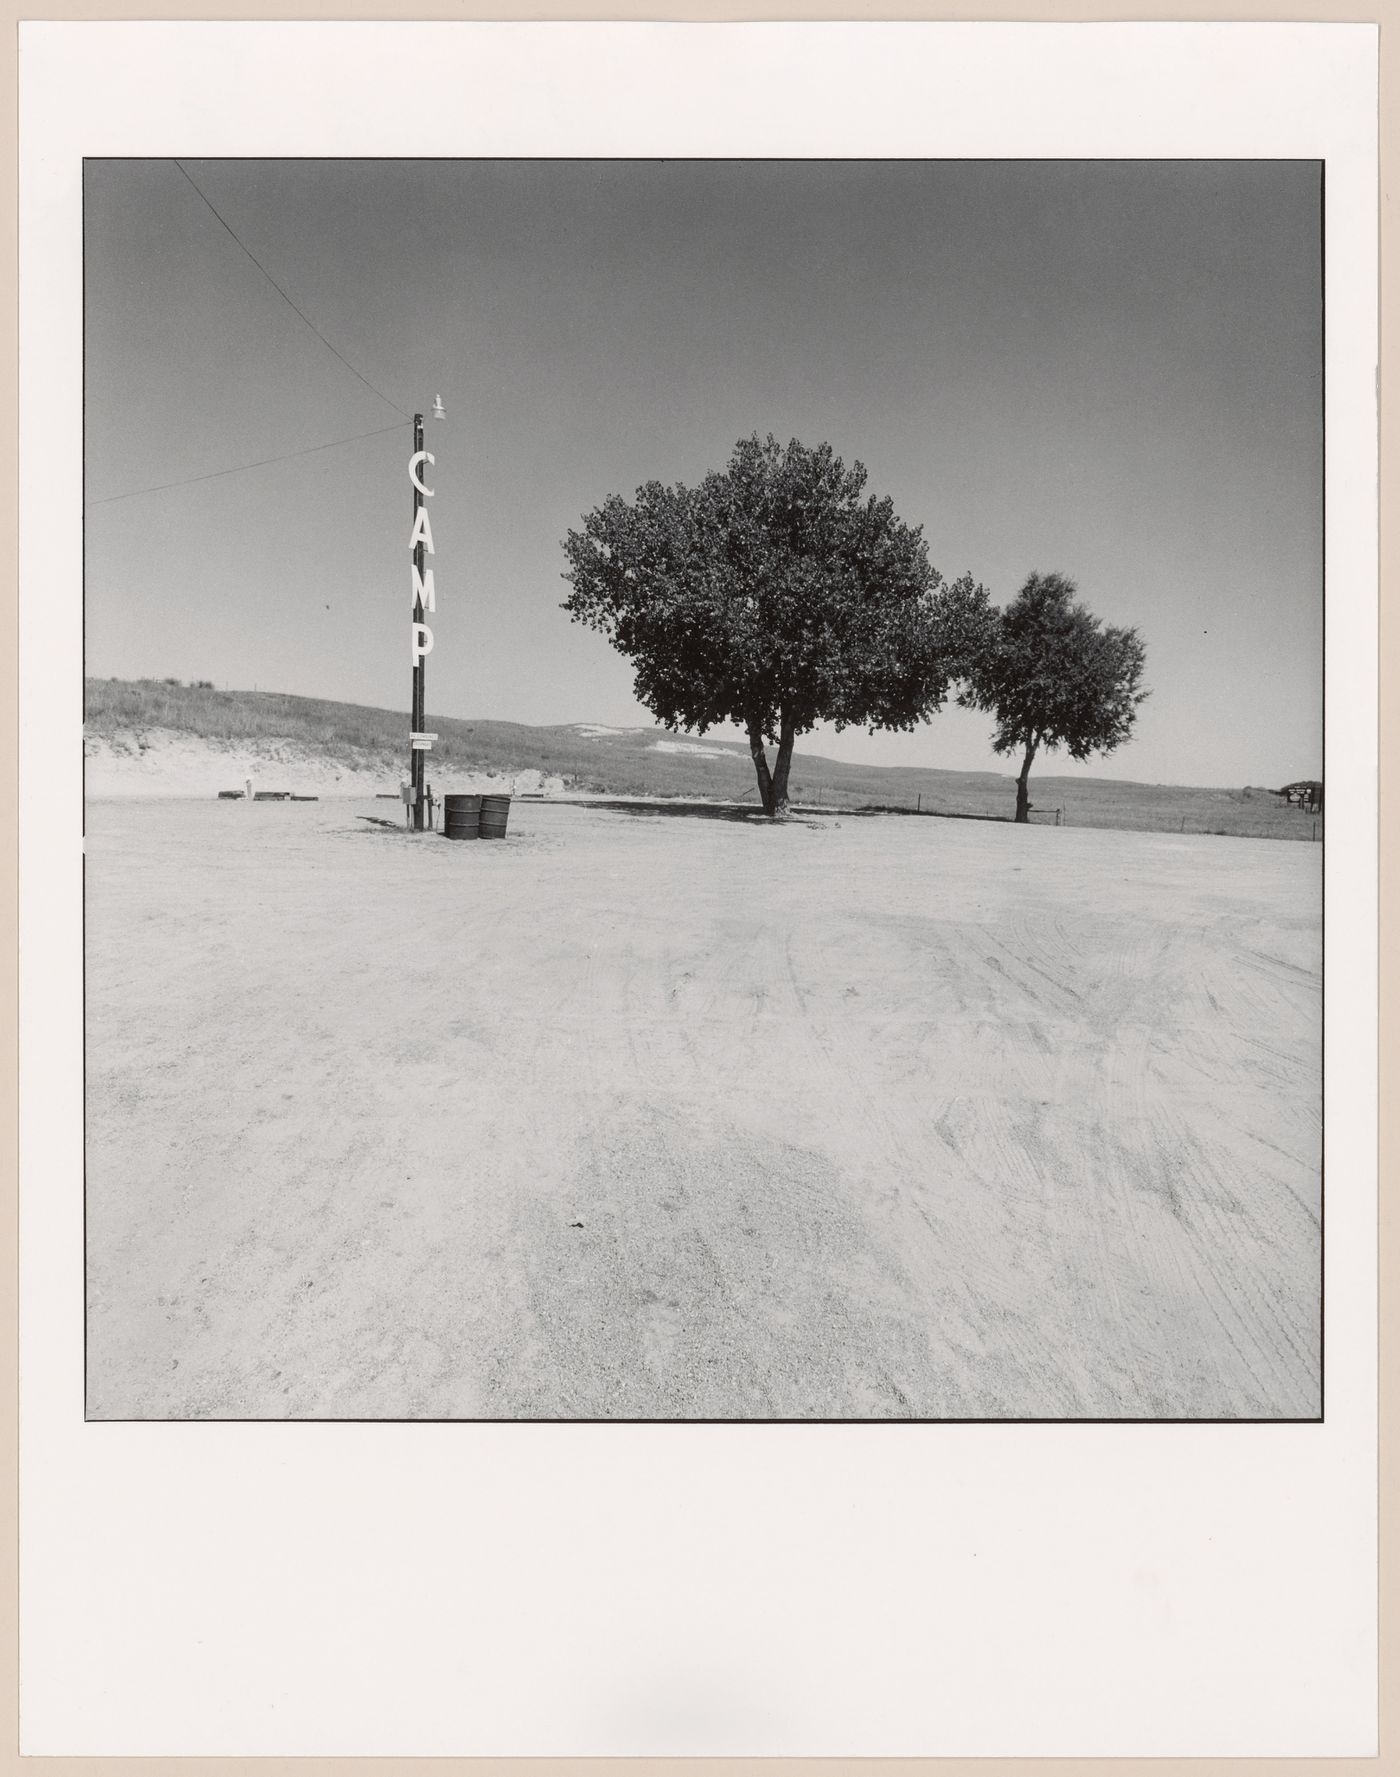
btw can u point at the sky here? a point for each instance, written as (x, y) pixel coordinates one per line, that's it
(1109, 369)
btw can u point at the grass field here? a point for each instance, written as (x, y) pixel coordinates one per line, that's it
(631, 763)
(665, 1117)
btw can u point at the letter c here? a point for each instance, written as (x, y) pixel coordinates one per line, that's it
(420, 456)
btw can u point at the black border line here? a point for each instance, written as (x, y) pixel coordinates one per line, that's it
(82, 735)
(738, 1424)
(727, 160)
(1322, 1008)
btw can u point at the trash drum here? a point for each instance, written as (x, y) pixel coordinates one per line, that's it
(461, 817)
(495, 811)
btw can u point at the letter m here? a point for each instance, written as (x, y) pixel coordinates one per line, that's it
(423, 589)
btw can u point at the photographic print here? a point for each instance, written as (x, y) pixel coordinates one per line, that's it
(703, 789)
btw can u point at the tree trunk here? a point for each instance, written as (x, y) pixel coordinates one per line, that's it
(760, 765)
(772, 785)
(781, 769)
(1023, 786)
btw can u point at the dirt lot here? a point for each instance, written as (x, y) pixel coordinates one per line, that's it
(644, 1116)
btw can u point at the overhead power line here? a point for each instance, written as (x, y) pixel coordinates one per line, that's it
(287, 299)
(239, 468)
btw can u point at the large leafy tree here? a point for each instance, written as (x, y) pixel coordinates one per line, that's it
(1054, 676)
(774, 595)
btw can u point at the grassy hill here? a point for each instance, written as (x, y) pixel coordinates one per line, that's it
(652, 762)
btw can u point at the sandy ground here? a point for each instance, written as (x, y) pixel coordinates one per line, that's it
(160, 763)
(648, 1116)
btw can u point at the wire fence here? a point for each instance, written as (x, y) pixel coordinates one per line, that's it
(1226, 814)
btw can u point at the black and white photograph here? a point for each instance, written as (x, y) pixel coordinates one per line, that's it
(703, 789)
(699, 926)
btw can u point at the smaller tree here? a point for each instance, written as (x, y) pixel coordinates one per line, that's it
(1054, 676)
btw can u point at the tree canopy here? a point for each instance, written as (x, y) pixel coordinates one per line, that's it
(1055, 676)
(774, 595)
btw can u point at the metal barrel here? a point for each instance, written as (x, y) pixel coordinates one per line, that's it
(461, 817)
(495, 811)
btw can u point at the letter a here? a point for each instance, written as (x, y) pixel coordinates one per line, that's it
(422, 531)
(422, 641)
(423, 590)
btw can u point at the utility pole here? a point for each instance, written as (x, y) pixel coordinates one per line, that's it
(416, 723)
(424, 600)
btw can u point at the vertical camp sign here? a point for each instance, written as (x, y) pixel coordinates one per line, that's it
(420, 545)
